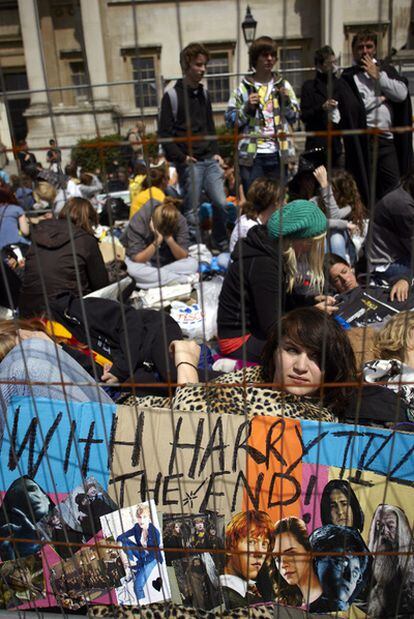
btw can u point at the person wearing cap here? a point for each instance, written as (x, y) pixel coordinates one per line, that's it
(258, 287)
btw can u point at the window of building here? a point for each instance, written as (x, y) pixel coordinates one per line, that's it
(291, 62)
(15, 80)
(79, 79)
(144, 76)
(219, 87)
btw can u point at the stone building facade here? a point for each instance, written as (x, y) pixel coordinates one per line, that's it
(96, 66)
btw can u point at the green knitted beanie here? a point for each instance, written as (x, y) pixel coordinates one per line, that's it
(300, 219)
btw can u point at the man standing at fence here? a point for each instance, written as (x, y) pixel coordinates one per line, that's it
(186, 112)
(263, 105)
(380, 99)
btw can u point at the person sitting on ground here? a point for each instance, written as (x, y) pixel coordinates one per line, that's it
(153, 188)
(265, 195)
(342, 240)
(89, 187)
(311, 183)
(14, 226)
(112, 344)
(258, 286)
(32, 364)
(64, 257)
(391, 233)
(305, 340)
(157, 241)
(72, 187)
(22, 187)
(394, 358)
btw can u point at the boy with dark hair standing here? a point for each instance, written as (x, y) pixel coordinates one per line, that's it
(186, 112)
(262, 106)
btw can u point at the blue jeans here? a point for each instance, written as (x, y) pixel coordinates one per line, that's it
(394, 271)
(205, 176)
(263, 165)
(141, 575)
(339, 243)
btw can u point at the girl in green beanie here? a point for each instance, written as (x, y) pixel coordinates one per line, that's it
(259, 285)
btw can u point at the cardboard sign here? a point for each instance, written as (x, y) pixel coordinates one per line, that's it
(186, 462)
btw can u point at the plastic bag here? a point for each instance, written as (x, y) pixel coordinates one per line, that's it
(190, 319)
(208, 300)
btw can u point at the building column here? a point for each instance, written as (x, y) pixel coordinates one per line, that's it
(332, 24)
(94, 47)
(33, 55)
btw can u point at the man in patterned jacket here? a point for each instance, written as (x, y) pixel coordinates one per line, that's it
(262, 106)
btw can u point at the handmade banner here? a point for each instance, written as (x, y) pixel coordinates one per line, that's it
(312, 515)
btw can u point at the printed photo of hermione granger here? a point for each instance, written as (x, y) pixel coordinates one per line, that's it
(90, 573)
(21, 581)
(343, 577)
(138, 531)
(296, 580)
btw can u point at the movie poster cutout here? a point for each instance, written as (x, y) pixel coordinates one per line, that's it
(89, 574)
(339, 496)
(24, 505)
(197, 572)
(22, 581)
(84, 506)
(247, 574)
(138, 531)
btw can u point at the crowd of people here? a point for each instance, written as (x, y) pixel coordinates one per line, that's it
(321, 245)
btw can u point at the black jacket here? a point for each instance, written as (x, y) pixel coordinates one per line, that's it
(353, 116)
(130, 341)
(262, 287)
(314, 94)
(201, 123)
(52, 259)
(392, 229)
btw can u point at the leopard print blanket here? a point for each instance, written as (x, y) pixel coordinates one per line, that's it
(237, 393)
(176, 611)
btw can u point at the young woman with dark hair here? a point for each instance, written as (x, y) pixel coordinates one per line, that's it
(305, 350)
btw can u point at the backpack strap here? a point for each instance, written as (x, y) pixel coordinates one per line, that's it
(172, 95)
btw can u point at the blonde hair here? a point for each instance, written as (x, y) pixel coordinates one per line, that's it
(391, 342)
(165, 217)
(143, 510)
(313, 260)
(45, 192)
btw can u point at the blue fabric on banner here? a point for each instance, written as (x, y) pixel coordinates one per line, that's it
(371, 449)
(56, 443)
